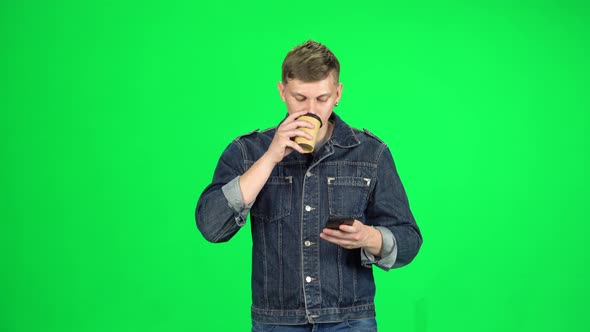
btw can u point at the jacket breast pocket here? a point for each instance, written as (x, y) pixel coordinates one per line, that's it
(274, 200)
(348, 195)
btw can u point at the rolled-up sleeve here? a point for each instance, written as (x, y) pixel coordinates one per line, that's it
(389, 211)
(219, 214)
(233, 194)
(388, 251)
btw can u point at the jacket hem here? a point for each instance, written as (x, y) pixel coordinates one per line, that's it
(301, 316)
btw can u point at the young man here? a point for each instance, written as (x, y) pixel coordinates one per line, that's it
(305, 276)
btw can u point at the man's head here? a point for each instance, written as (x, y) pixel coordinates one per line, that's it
(310, 62)
(310, 80)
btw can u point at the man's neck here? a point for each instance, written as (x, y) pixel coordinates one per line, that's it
(326, 135)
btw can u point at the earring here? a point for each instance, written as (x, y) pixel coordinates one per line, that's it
(336, 105)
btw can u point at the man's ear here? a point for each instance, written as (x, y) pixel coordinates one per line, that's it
(338, 93)
(281, 87)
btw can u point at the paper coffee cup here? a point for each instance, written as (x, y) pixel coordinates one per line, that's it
(304, 143)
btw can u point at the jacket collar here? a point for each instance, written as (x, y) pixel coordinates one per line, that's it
(343, 135)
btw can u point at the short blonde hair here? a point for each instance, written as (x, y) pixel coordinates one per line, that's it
(310, 62)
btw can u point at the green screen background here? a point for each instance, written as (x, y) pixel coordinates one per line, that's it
(114, 113)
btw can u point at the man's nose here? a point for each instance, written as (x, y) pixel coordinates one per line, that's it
(311, 106)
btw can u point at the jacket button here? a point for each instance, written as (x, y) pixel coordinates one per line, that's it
(308, 174)
(307, 208)
(307, 243)
(308, 279)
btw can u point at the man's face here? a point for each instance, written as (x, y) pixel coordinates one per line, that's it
(317, 97)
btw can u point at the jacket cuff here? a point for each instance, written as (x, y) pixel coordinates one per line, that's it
(388, 251)
(233, 194)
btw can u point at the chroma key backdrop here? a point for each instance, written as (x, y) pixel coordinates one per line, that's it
(114, 114)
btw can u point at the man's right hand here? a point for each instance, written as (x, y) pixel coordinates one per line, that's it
(282, 143)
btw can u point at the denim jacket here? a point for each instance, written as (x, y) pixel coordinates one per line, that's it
(297, 277)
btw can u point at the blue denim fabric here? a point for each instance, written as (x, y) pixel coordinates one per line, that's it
(297, 277)
(361, 325)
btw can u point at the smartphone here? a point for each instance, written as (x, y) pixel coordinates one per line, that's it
(335, 222)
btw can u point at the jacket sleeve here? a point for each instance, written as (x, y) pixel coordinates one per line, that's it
(220, 211)
(389, 208)
(388, 251)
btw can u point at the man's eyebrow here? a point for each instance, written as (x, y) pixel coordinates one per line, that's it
(297, 94)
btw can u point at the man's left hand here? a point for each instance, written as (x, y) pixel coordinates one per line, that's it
(357, 235)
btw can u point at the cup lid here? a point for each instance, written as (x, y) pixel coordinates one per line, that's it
(315, 117)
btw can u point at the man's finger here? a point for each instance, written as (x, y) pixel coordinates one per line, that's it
(294, 146)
